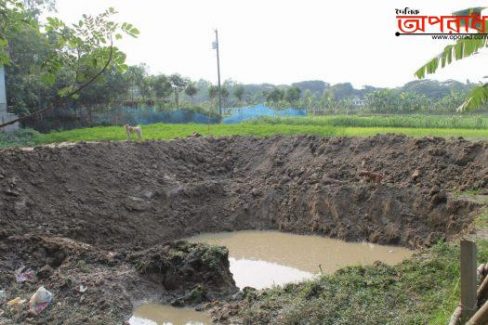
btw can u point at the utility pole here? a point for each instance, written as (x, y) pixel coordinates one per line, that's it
(216, 47)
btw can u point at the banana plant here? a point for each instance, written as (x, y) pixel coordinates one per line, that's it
(463, 48)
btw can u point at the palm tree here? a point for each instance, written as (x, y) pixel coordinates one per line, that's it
(463, 48)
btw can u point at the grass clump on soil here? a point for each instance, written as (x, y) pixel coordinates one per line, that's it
(421, 290)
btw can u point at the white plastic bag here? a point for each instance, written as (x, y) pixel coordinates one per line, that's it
(40, 300)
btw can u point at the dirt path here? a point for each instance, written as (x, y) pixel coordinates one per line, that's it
(125, 198)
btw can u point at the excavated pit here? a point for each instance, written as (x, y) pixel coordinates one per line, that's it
(113, 205)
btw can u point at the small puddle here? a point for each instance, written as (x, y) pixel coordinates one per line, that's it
(155, 314)
(262, 259)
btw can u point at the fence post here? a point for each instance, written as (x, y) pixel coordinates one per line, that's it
(468, 280)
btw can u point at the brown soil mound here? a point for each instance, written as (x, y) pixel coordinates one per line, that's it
(139, 194)
(124, 198)
(95, 286)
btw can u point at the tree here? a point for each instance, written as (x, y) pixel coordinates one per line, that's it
(85, 49)
(383, 101)
(27, 50)
(309, 101)
(191, 90)
(293, 94)
(327, 101)
(162, 87)
(213, 91)
(178, 84)
(239, 92)
(450, 102)
(14, 17)
(140, 83)
(275, 95)
(463, 48)
(317, 87)
(225, 94)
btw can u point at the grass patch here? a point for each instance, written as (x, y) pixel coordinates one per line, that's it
(421, 290)
(388, 121)
(258, 128)
(161, 131)
(21, 137)
(472, 127)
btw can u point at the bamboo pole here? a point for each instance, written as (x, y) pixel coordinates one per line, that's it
(481, 293)
(480, 317)
(456, 316)
(483, 289)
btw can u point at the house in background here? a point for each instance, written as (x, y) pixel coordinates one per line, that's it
(357, 101)
(5, 116)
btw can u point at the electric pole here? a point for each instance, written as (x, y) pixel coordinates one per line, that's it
(216, 47)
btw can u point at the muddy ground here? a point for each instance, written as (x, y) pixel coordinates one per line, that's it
(102, 215)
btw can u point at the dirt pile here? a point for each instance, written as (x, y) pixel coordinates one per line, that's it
(95, 286)
(139, 194)
(95, 215)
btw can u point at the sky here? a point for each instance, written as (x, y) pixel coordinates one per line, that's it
(282, 41)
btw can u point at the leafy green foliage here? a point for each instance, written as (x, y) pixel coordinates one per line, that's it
(476, 98)
(239, 92)
(178, 84)
(275, 95)
(391, 101)
(86, 48)
(68, 57)
(191, 90)
(213, 92)
(293, 94)
(13, 18)
(463, 48)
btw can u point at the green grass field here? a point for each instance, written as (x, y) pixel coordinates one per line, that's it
(470, 127)
(265, 127)
(392, 121)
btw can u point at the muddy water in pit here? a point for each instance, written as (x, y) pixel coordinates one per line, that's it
(261, 259)
(154, 314)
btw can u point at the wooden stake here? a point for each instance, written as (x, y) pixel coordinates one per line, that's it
(468, 280)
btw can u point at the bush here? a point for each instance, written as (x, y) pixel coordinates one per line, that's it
(20, 137)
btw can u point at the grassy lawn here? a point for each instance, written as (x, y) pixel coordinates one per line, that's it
(470, 127)
(169, 131)
(391, 121)
(262, 128)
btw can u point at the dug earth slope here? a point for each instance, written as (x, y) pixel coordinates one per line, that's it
(124, 199)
